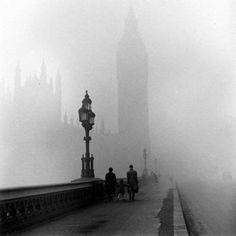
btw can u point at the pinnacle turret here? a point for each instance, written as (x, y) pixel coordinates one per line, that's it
(58, 84)
(43, 73)
(17, 82)
(58, 93)
(131, 24)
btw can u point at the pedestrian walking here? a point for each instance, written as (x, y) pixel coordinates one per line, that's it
(110, 183)
(132, 181)
(154, 176)
(121, 190)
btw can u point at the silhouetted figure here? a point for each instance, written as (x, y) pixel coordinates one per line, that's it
(121, 190)
(132, 180)
(110, 183)
(154, 176)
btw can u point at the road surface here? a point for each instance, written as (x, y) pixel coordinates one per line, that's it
(210, 206)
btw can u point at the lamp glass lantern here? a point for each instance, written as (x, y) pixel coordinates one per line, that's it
(83, 114)
(91, 118)
(87, 101)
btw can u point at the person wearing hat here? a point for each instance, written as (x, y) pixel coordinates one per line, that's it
(110, 183)
(132, 181)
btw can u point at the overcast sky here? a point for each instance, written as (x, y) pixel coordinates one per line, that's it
(191, 52)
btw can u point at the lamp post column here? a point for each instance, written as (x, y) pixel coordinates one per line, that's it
(87, 154)
(83, 160)
(86, 117)
(92, 170)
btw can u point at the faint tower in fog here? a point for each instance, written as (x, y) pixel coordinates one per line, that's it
(132, 76)
(58, 94)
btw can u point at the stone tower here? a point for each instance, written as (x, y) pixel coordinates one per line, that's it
(132, 76)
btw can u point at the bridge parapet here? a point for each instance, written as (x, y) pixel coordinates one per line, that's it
(24, 206)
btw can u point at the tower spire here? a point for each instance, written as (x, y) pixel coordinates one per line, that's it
(131, 24)
(43, 73)
(58, 92)
(17, 81)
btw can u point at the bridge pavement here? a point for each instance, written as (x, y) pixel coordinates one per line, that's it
(144, 216)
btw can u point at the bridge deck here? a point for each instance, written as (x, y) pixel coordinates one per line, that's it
(139, 217)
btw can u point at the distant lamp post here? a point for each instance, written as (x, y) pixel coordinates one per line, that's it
(145, 171)
(156, 165)
(86, 117)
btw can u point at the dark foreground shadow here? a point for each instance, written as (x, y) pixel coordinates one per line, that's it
(166, 215)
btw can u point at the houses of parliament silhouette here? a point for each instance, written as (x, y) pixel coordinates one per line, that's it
(40, 147)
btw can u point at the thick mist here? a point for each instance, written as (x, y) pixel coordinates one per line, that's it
(191, 84)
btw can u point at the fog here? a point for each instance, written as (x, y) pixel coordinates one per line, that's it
(190, 48)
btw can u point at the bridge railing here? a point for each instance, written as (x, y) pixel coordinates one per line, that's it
(23, 206)
(20, 207)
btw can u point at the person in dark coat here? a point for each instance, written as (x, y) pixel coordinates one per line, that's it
(132, 181)
(110, 184)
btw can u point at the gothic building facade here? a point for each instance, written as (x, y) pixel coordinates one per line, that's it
(33, 135)
(42, 145)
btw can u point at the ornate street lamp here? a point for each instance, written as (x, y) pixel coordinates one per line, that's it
(86, 117)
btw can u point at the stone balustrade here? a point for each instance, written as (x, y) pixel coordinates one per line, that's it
(24, 206)
(20, 207)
